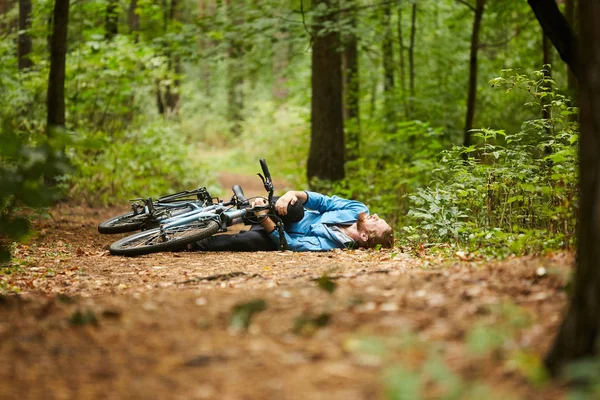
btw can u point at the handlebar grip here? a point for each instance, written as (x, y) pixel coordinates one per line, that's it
(265, 168)
(239, 193)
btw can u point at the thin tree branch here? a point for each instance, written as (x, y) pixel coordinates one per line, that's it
(558, 30)
(304, 19)
(466, 4)
(356, 8)
(506, 41)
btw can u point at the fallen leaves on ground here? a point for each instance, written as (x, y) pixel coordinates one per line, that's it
(337, 325)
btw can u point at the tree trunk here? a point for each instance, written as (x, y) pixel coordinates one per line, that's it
(570, 17)
(326, 154)
(159, 99)
(388, 70)
(579, 335)
(235, 90)
(9, 25)
(24, 43)
(411, 57)
(352, 91)
(281, 59)
(402, 63)
(112, 19)
(206, 13)
(171, 96)
(558, 30)
(472, 96)
(133, 20)
(56, 79)
(547, 62)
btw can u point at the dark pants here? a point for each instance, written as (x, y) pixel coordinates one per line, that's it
(256, 239)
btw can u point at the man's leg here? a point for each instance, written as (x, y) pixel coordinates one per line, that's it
(256, 239)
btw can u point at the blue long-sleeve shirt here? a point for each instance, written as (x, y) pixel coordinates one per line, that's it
(317, 231)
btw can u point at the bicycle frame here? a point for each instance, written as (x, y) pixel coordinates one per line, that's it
(210, 212)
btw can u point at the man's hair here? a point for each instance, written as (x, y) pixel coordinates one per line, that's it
(386, 239)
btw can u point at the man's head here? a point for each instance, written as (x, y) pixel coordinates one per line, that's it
(373, 231)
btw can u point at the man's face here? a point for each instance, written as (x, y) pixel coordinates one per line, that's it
(372, 225)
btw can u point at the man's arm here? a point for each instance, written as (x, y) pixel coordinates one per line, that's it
(323, 204)
(268, 224)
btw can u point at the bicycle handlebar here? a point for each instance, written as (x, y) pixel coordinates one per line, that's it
(265, 169)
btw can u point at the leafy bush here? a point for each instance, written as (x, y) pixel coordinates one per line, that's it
(515, 192)
(391, 166)
(27, 161)
(150, 161)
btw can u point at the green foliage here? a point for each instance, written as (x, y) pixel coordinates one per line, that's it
(307, 324)
(418, 369)
(432, 379)
(81, 318)
(151, 161)
(241, 314)
(258, 54)
(108, 81)
(327, 284)
(28, 161)
(510, 192)
(391, 166)
(584, 376)
(496, 329)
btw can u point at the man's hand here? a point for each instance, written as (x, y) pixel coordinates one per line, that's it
(267, 223)
(283, 202)
(259, 202)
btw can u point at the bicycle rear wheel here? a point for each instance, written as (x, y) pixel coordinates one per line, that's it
(175, 238)
(130, 222)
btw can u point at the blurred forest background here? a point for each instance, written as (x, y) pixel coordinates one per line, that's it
(450, 118)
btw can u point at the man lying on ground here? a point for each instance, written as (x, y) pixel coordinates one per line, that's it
(328, 223)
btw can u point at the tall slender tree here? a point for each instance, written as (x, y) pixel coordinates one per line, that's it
(235, 89)
(6, 25)
(570, 17)
(579, 334)
(411, 57)
(472, 94)
(389, 89)
(547, 62)
(172, 96)
(111, 24)
(167, 93)
(401, 51)
(56, 78)
(351, 87)
(24, 42)
(133, 19)
(206, 13)
(281, 60)
(326, 154)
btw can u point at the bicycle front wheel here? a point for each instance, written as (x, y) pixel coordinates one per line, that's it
(171, 239)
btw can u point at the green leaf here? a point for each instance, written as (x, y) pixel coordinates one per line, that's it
(307, 324)
(80, 318)
(242, 314)
(327, 284)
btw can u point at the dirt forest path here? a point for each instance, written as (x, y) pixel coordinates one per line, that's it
(252, 185)
(85, 324)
